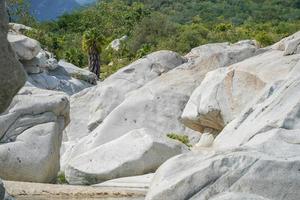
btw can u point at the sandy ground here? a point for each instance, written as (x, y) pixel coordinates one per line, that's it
(37, 191)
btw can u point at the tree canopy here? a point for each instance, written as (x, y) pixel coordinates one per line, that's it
(177, 25)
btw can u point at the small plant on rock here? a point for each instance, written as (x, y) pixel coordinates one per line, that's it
(61, 178)
(181, 138)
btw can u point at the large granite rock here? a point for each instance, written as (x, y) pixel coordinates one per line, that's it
(46, 73)
(24, 47)
(136, 153)
(78, 73)
(112, 91)
(12, 76)
(276, 108)
(159, 103)
(225, 92)
(57, 80)
(19, 28)
(255, 156)
(31, 134)
(289, 45)
(134, 182)
(248, 174)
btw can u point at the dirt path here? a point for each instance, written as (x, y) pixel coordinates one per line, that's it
(37, 191)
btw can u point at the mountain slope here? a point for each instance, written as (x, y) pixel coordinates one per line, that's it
(84, 2)
(50, 9)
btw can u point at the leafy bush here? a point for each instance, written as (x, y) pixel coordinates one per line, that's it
(61, 178)
(181, 138)
(177, 25)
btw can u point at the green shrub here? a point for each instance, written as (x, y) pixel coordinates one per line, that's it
(181, 138)
(61, 178)
(264, 38)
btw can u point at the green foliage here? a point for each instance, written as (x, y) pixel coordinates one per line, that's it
(18, 11)
(177, 25)
(61, 178)
(91, 37)
(264, 38)
(181, 138)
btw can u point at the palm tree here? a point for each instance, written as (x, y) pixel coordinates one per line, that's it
(91, 44)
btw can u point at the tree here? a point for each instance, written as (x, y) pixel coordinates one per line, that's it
(91, 44)
(18, 11)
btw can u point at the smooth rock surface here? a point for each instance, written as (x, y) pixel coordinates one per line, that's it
(139, 182)
(57, 80)
(34, 66)
(290, 45)
(159, 103)
(12, 76)
(199, 177)
(238, 196)
(224, 93)
(19, 28)
(112, 91)
(256, 150)
(24, 47)
(136, 153)
(78, 73)
(31, 135)
(264, 115)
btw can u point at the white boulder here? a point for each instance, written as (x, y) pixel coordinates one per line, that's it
(276, 108)
(248, 174)
(136, 153)
(60, 78)
(78, 73)
(290, 45)
(225, 92)
(18, 28)
(24, 47)
(159, 103)
(108, 94)
(116, 44)
(135, 182)
(31, 135)
(34, 66)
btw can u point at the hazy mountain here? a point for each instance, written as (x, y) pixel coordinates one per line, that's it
(50, 9)
(84, 2)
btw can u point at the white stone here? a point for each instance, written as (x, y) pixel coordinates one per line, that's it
(136, 182)
(275, 108)
(157, 105)
(18, 28)
(108, 94)
(34, 66)
(206, 140)
(31, 135)
(290, 45)
(225, 92)
(237, 196)
(136, 153)
(78, 73)
(116, 44)
(198, 177)
(24, 47)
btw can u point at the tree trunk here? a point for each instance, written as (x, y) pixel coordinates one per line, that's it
(94, 60)
(8, 13)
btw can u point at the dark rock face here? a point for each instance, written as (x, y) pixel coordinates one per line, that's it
(12, 75)
(2, 190)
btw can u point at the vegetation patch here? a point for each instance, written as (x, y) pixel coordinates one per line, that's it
(61, 179)
(177, 25)
(181, 138)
